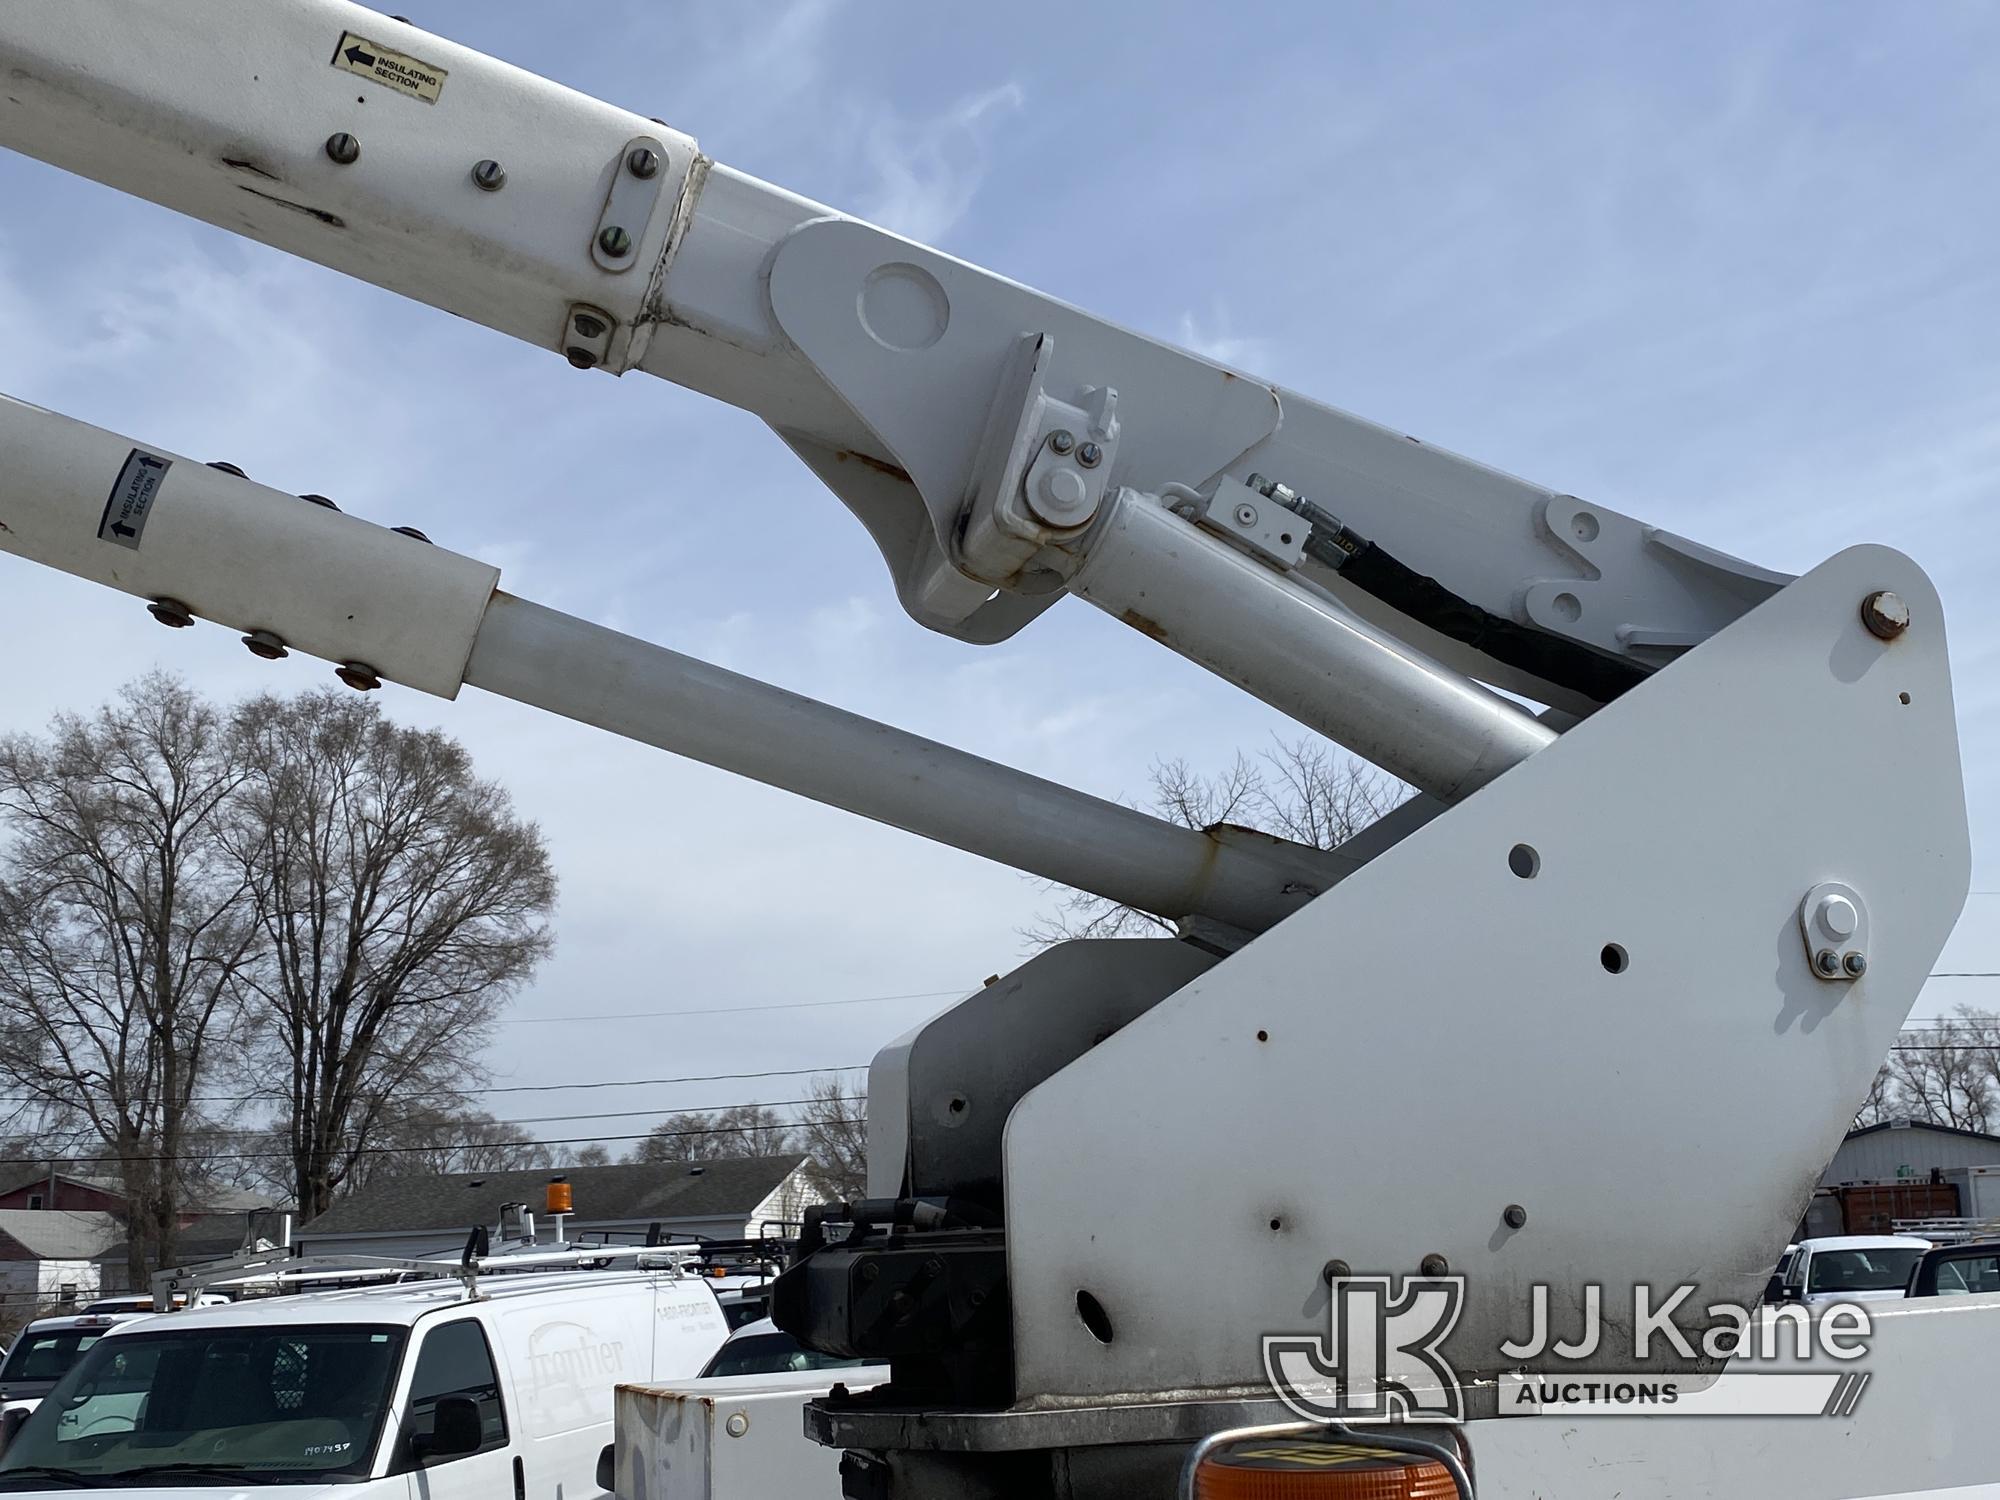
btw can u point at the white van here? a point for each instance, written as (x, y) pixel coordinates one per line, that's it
(414, 1390)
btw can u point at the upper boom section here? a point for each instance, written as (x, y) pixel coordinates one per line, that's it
(927, 393)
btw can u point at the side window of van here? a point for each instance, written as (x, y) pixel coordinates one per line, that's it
(454, 1360)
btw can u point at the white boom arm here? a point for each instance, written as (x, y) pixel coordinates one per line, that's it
(1596, 1008)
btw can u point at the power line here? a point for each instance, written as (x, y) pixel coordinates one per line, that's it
(725, 1010)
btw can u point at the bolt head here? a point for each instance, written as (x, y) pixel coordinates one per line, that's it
(1246, 515)
(582, 358)
(1090, 455)
(490, 176)
(1885, 614)
(615, 241)
(343, 148)
(1435, 1265)
(1827, 962)
(1515, 1215)
(643, 161)
(358, 675)
(1334, 1270)
(1061, 442)
(1855, 963)
(171, 613)
(737, 1425)
(268, 646)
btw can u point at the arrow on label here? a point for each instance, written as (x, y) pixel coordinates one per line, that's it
(359, 58)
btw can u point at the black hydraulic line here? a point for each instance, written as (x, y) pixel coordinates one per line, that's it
(1598, 675)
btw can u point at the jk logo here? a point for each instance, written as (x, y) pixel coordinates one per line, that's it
(1380, 1359)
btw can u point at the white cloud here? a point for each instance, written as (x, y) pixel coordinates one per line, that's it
(927, 172)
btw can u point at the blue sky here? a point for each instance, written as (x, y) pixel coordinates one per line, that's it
(1726, 268)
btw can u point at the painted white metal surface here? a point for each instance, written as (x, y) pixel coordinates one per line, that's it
(1918, 1432)
(239, 553)
(1436, 1038)
(728, 1439)
(1301, 652)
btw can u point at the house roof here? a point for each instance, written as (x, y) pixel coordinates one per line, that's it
(61, 1234)
(216, 1198)
(1971, 1135)
(631, 1192)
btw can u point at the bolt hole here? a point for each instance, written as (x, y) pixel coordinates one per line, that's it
(1614, 958)
(1566, 606)
(1903, 698)
(1095, 1318)
(957, 1105)
(1584, 526)
(1285, 537)
(1276, 1225)
(1524, 861)
(1263, 1036)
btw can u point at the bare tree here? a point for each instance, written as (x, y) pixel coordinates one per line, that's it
(427, 1139)
(593, 1155)
(695, 1135)
(1944, 1073)
(124, 933)
(833, 1131)
(399, 901)
(1300, 790)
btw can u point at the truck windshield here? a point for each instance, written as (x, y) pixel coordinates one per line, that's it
(213, 1406)
(46, 1356)
(1863, 1270)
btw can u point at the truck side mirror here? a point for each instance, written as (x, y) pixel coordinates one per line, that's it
(607, 1468)
(10, 1423)
(455, 1430)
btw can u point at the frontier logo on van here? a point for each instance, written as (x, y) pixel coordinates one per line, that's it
(569, 1356)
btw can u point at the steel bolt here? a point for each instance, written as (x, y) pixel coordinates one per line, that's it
(490, 176)
(1246, 515)
(229, 469)
(1334, 1270)
(1435, 1265)
(171, 613)
(321, 501)
(870, 1271)
(615, 242)
(1856, 964)
(358, 675)
(412, 532)
(1061, 442)
(1515, 1215)
(263, 643)
(343, 148)
(587, 326)
(582, 358)
(737, 1425)
(1827, 962)
(1090, 455)
(1885, 614)
(643, 161)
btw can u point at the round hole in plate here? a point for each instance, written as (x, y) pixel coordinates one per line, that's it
(1263, 1036)
(1583, 526)
(1095, 1319)
(1903, 698)
(1285, 537)
(1276, 1225)
(1614, 958)
(1524, 861)
(1566, 606)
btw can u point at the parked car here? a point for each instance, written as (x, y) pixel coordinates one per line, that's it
(46, 1350)
(737, 1432)
(505, 1393)
(1774, 1289)
(1956, 1270)
(1851, 1268)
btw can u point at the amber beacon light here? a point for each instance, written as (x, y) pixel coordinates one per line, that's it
(559, 1199)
